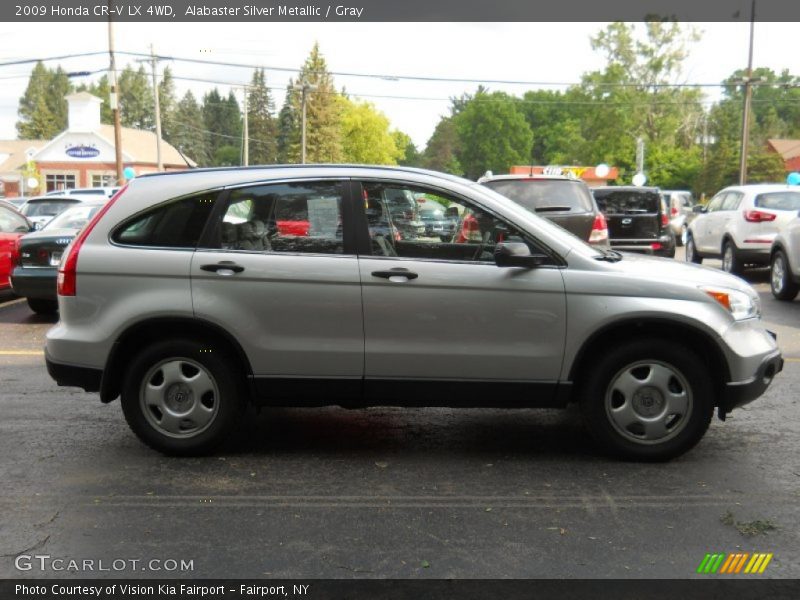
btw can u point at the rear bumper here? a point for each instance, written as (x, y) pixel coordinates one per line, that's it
(666, 242)
(739, 393)
(74, 376)
(35, 282)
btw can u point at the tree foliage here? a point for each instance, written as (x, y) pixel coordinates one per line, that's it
(365, 135)
(42, 109)
(263, 129)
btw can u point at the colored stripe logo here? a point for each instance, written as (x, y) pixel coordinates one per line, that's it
(735, 563)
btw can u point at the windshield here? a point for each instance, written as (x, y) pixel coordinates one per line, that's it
(779, 201)
(624, 202)
(75, 217)
(544, 194)
(46, 208)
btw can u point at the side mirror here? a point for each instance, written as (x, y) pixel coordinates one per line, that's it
(699, 208)
(516, 254)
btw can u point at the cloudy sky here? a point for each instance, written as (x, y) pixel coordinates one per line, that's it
(532, 52)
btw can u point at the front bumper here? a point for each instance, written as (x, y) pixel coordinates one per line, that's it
(74, 376)
(739, 393)
(35, 282)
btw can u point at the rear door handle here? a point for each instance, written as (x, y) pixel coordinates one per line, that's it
(221, 267)
(397, 275)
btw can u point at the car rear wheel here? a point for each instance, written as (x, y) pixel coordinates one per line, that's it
(731, 263)
(181, 398)
(648, 400)
(43, 306)
(780, 279)
(691, 251)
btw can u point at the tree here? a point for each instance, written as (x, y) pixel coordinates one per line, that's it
(365, 135)
(40, 114)
(167, 104)
(410, 156)
(323, 130)
(263, 130)
(497, 133)
(442, 148)
(223, 121)
(288, 126)
(136, 106)
(189, 136)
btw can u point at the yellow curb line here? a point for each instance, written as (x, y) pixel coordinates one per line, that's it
(21, 353)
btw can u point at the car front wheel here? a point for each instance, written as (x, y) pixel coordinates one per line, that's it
(780, 279)
(648, 400)
(181, 398)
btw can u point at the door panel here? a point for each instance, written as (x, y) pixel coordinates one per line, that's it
(463, 321)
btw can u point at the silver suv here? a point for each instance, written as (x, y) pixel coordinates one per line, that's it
(193, 294)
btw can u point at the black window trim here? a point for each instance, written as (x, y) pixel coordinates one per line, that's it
(365, 247)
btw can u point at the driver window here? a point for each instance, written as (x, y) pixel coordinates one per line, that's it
(716, 202)
(414, 222)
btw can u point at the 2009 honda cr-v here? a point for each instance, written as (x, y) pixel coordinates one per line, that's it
(186, 299)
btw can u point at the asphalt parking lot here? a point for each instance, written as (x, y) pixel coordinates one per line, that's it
(387, 492)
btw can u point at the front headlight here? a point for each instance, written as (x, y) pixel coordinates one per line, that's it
(739, 304)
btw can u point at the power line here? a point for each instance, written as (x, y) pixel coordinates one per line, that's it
(26, 61)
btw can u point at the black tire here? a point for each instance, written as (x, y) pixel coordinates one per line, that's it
(691, 251)
(42, 306)
(732, 265)
(228, 398)
(781, 283)
(680, 235)
(595, 394)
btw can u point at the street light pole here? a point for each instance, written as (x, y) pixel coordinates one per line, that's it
(748, 91)
(245, 134)
(154, 63)
(114, 100)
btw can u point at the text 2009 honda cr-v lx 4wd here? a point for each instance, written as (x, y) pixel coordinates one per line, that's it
(189, 296)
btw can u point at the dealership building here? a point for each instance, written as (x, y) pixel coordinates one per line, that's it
(83, 155)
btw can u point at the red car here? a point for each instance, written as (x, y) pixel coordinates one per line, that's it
(12, 227)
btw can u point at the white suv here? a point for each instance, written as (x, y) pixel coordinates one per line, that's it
(740, 223)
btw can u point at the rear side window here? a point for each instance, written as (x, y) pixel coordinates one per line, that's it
(779, 201)
(625, 202)
(731, 201)
(545, 195)
(177, 224)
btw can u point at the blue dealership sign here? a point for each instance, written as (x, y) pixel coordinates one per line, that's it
(82, 152)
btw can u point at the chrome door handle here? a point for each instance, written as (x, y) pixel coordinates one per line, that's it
(223, 268)
(397, 275)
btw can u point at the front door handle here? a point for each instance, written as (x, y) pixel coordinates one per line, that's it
(397, 275)
(223, 266)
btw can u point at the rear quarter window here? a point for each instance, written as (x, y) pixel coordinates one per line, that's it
(177, 224)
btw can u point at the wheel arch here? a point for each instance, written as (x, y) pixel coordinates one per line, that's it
(626, 330)
(139, 334)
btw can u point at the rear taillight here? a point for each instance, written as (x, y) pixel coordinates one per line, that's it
(16, 252)
(67, 270)
(756, 216)
(664, 219)
(656, 246)
(674, 211)
(599, 232)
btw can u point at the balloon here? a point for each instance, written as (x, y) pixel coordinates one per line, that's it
(602, 170)
(793, 178)
(129, 173)
(639, 179)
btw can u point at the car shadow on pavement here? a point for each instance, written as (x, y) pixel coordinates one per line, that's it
(31, 318)
(426, 431)
(760, 275)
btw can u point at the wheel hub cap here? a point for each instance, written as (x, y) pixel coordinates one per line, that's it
(179, 398)
(648, 402)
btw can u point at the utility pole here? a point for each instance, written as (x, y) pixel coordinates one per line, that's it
(747, 99)
(154, 64)
(245, 134)
(640, 155)
(114, 97)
